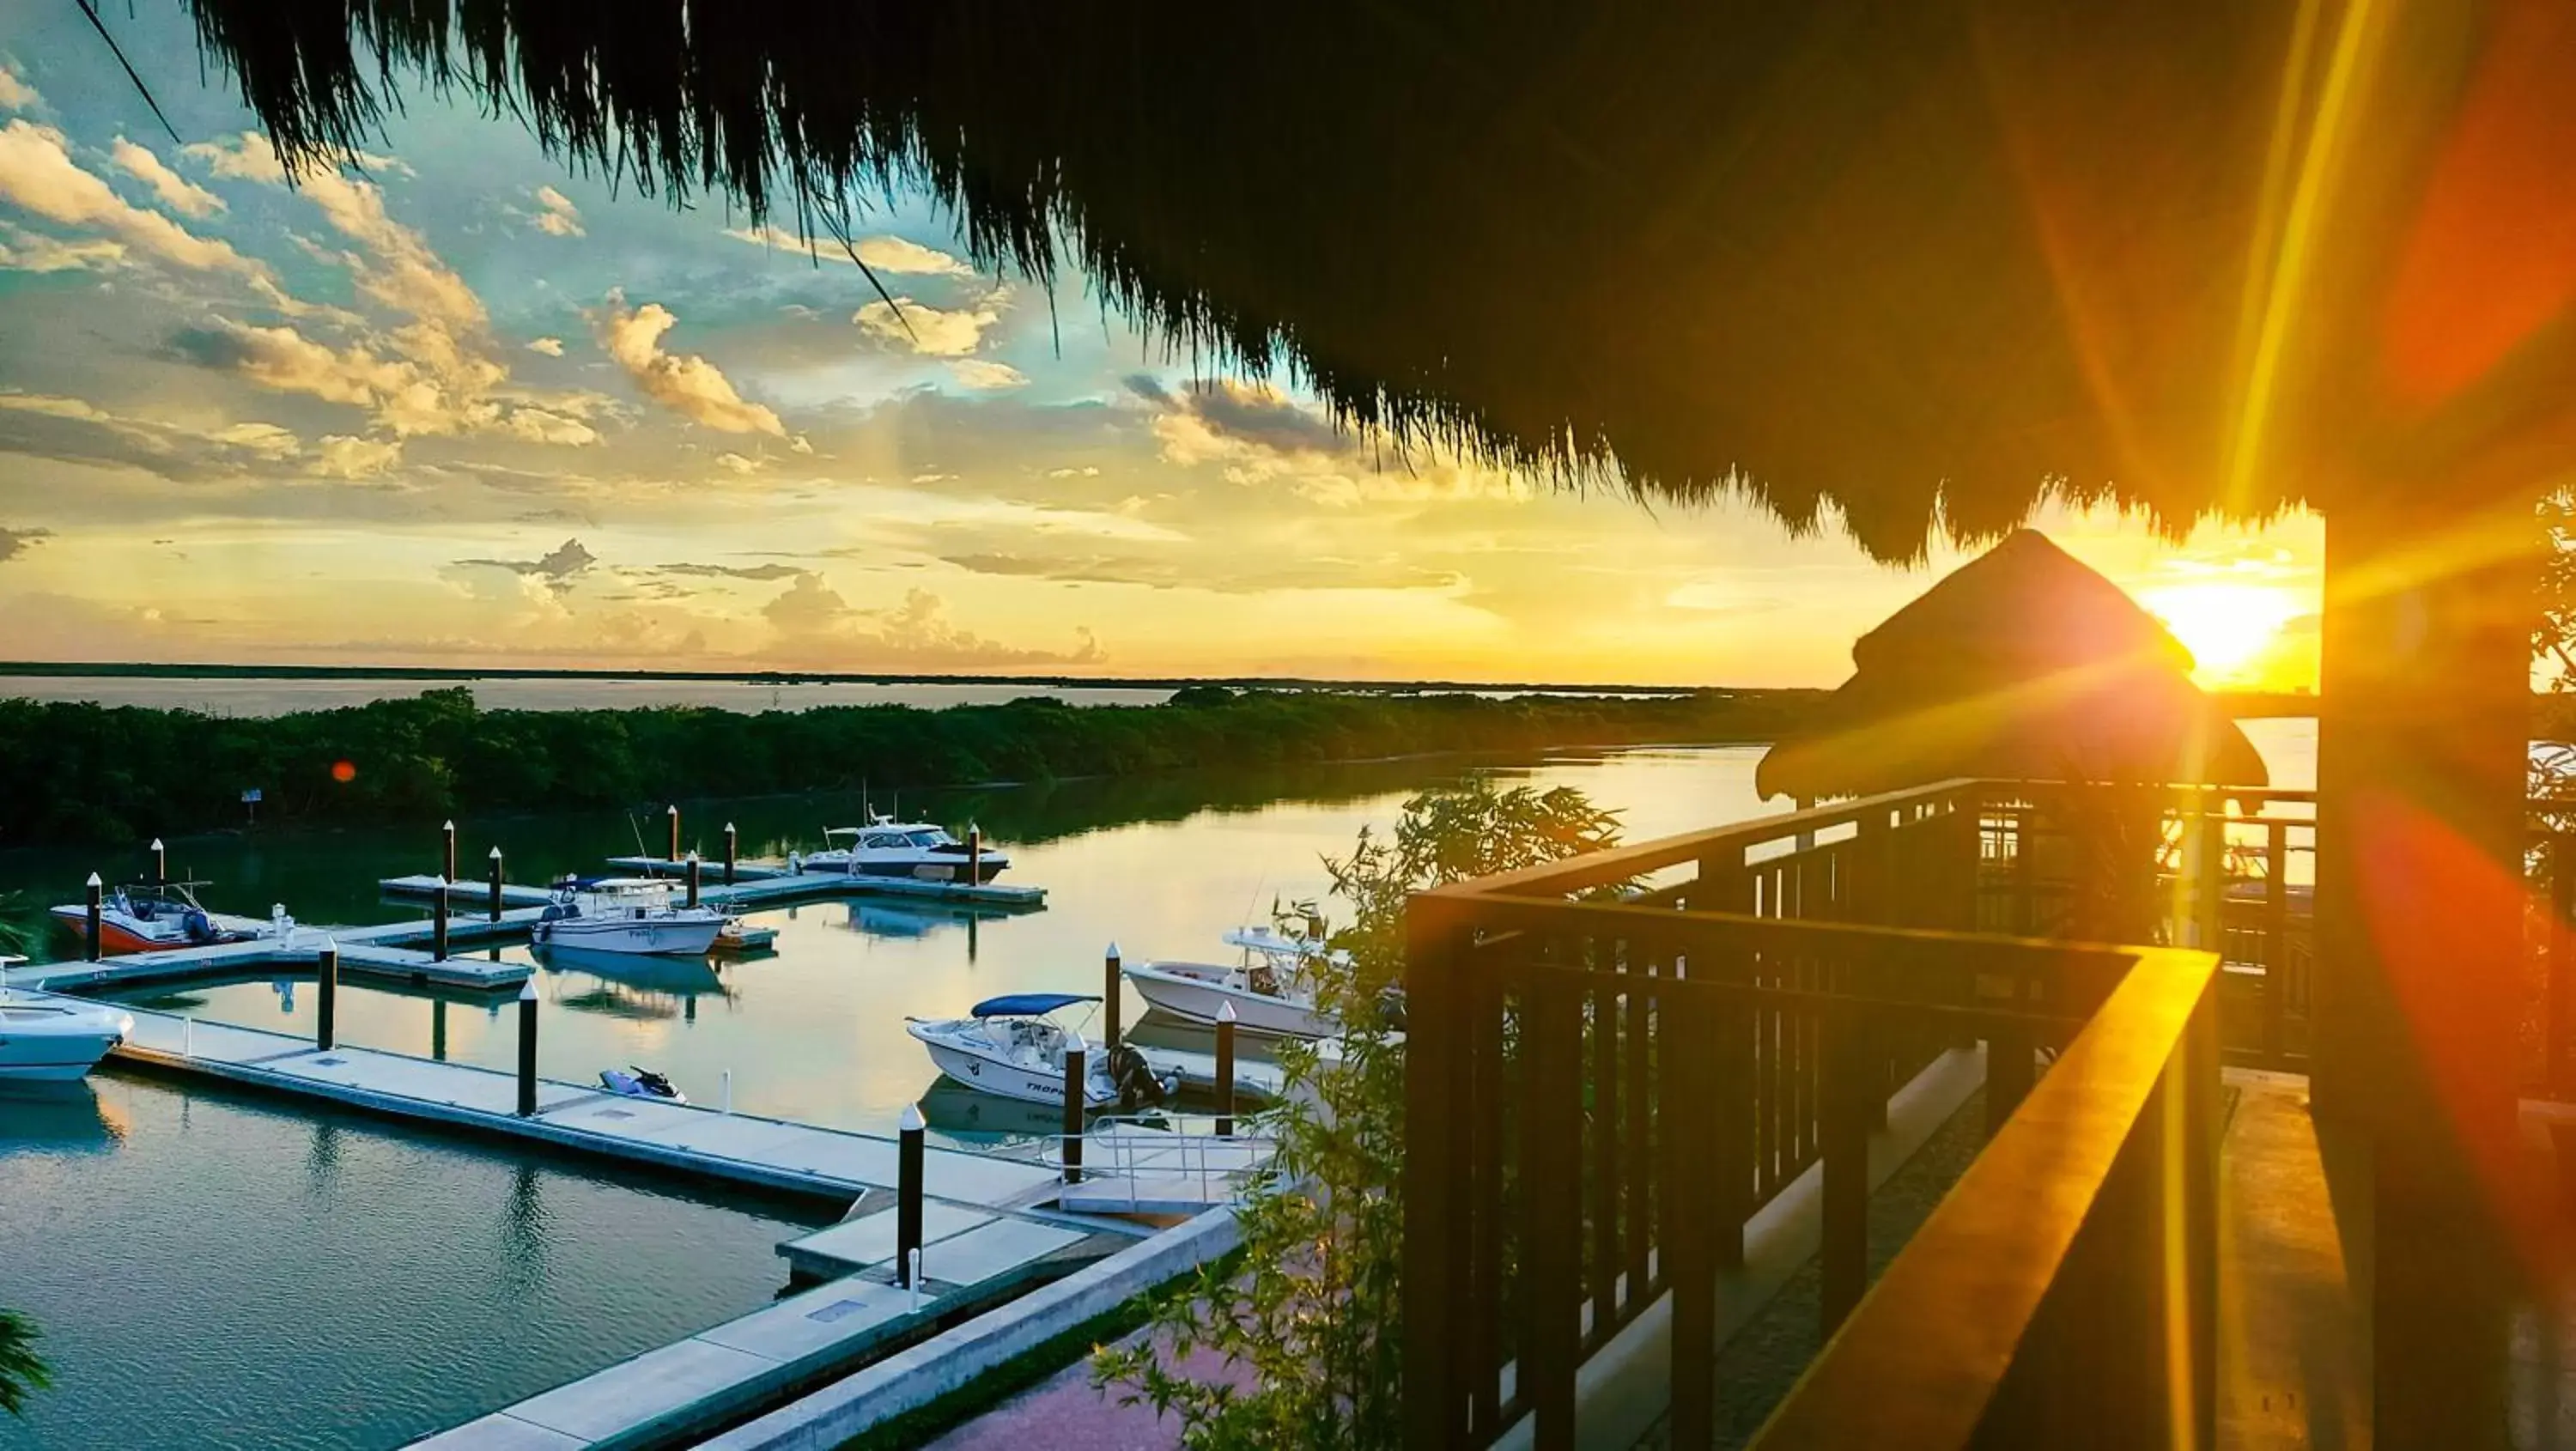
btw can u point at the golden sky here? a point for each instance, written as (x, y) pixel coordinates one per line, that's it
(462, 408)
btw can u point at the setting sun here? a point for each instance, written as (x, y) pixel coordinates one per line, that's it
(2232, 629)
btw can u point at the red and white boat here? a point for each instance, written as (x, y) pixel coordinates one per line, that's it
(156, 918)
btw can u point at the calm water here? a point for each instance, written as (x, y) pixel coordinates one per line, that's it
(216, 1271)
(255, 696)
(334, 1252)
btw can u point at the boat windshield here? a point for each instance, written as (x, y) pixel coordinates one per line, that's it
(932, 837)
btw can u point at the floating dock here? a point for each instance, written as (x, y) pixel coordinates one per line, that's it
(770, 882)
(363, 955)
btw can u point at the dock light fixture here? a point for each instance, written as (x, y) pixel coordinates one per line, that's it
(528, 1048)
(160, 863)
(1225, 1070)
(1112, 981)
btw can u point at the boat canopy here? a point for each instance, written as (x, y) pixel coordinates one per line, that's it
(1029, 1005)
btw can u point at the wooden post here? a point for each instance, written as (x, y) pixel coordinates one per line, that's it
(447, 851)
(1074, 1103)
(1113, 986)
(733, 846)
(94, 949)
(160, 863)
(493, 907)
(1225, 1070)
(438, 922)
(2276, 942)
(528, 1049)
(974, 855)
(326, 1006)
(694, 874)
(673, 815)
(1848, 1087)
(438, 1030)
(2423, 751)
(907, 1193)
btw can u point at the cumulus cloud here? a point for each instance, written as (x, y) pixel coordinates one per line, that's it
(814, 622)
(985, 376)
(175, 191)
(551, 347)
(921, 328)
(556, 216)
(343, 457)
(886, 253)
(38, 175)
(555, 570)
(25, 251)
(15, 93)
(686, 384)
(734, 463)
(14, 542)
(1087, 471)
(74, 430)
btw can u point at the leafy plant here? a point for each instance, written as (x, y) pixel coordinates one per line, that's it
(22, 1371)
(1309, 1322)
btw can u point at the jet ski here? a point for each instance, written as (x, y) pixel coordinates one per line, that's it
(636, 1082)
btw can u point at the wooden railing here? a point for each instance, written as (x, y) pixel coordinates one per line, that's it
(1601, 1093)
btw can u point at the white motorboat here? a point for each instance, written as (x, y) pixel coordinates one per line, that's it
(626, 914)
(917, 850)
(151, 917)
(1011, 1046)
(49, 1039)
(1270, 987)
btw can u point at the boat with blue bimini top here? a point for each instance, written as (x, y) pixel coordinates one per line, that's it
(916, 850)
(150, 917)
(1013, 1046)
(625, 914)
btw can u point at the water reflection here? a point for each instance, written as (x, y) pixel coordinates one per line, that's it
(58, 1118)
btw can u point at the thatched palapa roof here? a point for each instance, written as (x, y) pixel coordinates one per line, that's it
(2195, 254)
(2021, 664)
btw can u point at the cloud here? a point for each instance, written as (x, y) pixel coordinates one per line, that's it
(736, 571)
(921, 328)
(38, 175)
(344, 457)
(551, 347)
(556, 215)
(247, 157)
(175, 191)
(14, 542)
(25, 251)
(15, 93)
(814, 622)
(981, 375)
(555, 570)
(734, 463)
(885, 253)
(1087, 471)
(73, 430)
(685, 383)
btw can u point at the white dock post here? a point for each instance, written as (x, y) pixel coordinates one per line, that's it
(733, 847)
(728, 1091)
(160, 863)
(446, 858)
(188, 1037)
(674, 856)
(915, 1279)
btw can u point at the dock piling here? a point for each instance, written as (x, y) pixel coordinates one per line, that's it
(907, 1197)
(733, 850)
(1074, 1082)
(528, 1049)
(447, 852)
(326, 1006)
(92, 950)
(494, 904)
(695, 873)
(1225, 1070)
(188, 1037)
(438, 921)
(1112, 981)
(674, 853)
(974, 854)
(160, 863)
(728, 1092)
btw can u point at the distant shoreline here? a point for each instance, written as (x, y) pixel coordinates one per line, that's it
(2240, 704)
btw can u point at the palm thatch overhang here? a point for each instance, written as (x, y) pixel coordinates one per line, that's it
(1892, 262)
(2023, 664)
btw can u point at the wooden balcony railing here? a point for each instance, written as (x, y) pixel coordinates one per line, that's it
(1602, 1092)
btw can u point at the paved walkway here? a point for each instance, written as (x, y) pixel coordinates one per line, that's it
(2294, 1339)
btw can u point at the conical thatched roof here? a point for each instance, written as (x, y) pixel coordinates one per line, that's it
(2024, 664)
(2199, 254)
